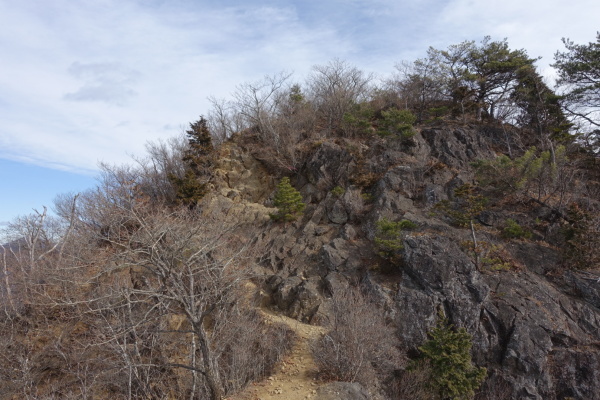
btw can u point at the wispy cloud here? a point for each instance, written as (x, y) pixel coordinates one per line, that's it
(106, 82)
(88, 81)
(535, 26)
(76, 61)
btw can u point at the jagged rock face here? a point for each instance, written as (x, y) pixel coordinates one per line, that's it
(538, 334)
(457, 147)
(437, 274)
(520, 323)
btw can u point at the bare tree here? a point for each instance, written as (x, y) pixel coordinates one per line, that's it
(334, 88)
(420, 84)
(186, 274)
(258, 102)
(224, 120)
(35, 240)
(186, 285)
(164, 159)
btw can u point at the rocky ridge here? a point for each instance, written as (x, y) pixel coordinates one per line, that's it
(536, 330)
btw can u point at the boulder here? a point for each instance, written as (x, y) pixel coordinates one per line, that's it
(342, 391)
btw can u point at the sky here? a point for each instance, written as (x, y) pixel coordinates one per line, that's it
(89, 81)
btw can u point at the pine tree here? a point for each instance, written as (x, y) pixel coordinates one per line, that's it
(199, 155)
(199, 160)
(288, 201)
(449, 354)
(188, 189)
(579, 73)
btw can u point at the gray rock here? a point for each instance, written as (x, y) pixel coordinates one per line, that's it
(585, 285)
(535, 331)
(348, 232)
(540, 259)
(354, 203)
(299, 298)
(328, 166)
(457, 147)
(519, 328)
(307, 299)
(342, 391)
(283, 290)
(335, 283)
(401, 179)
(434, 194)
(335, 253)
(337, 213)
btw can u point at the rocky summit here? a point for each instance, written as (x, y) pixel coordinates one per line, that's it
(433, 237)
(534, 327)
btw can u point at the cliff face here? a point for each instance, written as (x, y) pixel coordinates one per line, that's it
(534, 326)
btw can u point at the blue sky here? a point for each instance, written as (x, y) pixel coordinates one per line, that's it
(93, 80)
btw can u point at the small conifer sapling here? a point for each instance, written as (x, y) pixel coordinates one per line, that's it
(288, 202)
(449, 354)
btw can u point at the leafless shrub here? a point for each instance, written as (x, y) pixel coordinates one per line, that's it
(413, 384)
(249, 348)
(495, 387)
(360, 346)
(164, 159)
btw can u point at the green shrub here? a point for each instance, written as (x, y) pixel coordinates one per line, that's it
(367, 197)
(512, 230)
(188, 190)
(358, 120)
(489, 256)
(437, 113)
(288, 201)
(534, 173)
(448, 352)
(467, 205)
(398, 122)
(388, 237)
(338, 191)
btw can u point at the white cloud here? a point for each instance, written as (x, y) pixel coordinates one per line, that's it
(536, 26)
(106, 82)
(94, 80)
(75, 62)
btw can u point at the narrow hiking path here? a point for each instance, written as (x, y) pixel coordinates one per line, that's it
(294, 376)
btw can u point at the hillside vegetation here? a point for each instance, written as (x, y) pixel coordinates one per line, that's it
(439, 230)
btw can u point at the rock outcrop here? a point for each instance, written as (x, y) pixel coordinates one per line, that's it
(535, 329)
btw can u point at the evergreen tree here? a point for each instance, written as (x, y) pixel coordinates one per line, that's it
(288, 201)
(449, 354)
(199, 155)
(579, 72)
(199, 160)
(540, 107)
(492, 69)
(188, 190)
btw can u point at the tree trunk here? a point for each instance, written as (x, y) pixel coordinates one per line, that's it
(7, 282)
(211, 373)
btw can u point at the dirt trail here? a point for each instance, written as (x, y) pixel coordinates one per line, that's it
(293, 378)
